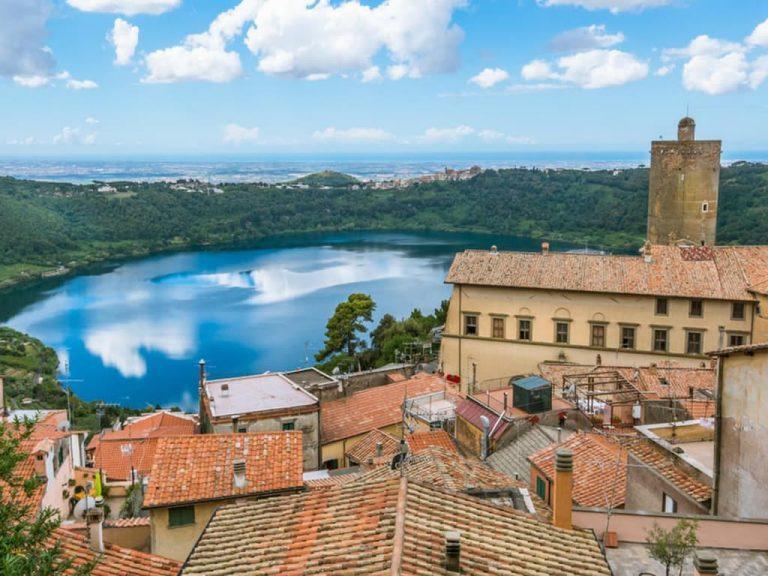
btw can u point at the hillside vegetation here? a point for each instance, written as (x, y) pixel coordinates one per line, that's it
(44, 225)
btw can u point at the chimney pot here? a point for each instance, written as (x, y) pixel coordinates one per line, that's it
(545, 248)
(564, 460)
(704, 564)
(379, 449)
(94, 519)
(494, 249)
(453, 551)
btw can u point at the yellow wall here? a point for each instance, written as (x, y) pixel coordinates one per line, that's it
(338, 449)
(502, 358)
(177, 542)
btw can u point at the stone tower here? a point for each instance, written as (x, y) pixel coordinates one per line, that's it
(684, 186)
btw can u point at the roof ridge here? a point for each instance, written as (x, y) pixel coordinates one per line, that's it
(399, 535)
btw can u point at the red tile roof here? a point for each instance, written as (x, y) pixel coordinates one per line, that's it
(729, 274)
(373, 408)
(201, 467)
(116, 452)
(390, 526)
(115, 560)
(471, 410)
(599, 468)
(364, 452)
(420, 441)
(666, 465)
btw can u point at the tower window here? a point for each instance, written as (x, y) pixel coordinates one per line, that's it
(705, 207)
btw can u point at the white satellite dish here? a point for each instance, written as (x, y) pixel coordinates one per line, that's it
(82, 506)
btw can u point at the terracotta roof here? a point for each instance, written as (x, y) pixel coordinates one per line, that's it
(332, 480)
(666, 465)
(740, 349)
(127, 522)
(730, 273)
(364, 452)
(115, 452)
(373, 408)
(471, 410)
(599, 468)
(419, 441)
(201, 467)
(115, 560)
(389, 526)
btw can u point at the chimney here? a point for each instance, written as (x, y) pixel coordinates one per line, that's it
(562, 503)
(484, 440)
(505, 403)
(379, 449)
(234, 424)
(201, 381)
(239, 476)
(453, 551)
(545, 248)
(705, 565)
(494, 249)
(94, 519)
(225, 390)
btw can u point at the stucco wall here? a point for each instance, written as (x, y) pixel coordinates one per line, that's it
(502, 358)
(309, 424)
(646, 489)
(744, 437)
(177, 542)
(337, 450)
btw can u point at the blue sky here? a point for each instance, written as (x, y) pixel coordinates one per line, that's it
(112, 77)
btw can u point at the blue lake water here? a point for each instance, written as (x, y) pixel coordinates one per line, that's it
(133, 333)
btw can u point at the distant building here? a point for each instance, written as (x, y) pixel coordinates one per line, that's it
(741, 433)
(265, 403)
(193, 475)
(683, 189)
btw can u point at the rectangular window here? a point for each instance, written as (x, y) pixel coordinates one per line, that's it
(561, 332)
(735, 339)
(181, 516)
(662, 306)
(628, 337)
(524, 329)
(289, 426)
(737, 311)
(697, 309)
(541, 488)
(660, 339)
(693, 342)
(598, 336)
(669, 506)
(498, 328)
(470, 325)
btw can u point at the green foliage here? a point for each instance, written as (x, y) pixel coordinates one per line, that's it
(327, 178)
(28, 546)
(347, 323)
(672, 547)
(43, 224)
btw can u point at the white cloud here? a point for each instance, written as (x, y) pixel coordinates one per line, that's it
(590, 70)
(759, 36)
(127, 7)
(28, 141)
(23, 53)
(73, 84)
(489, 77)
(353, 134)
(449, 135)
(32, 80)
(371, 74)
(318, 39)
(72, 136)
(124, 37)
(614, 6)
(586, 38)
(716, 66)
(664, 70)
(236, 134)
(537, 87)
(91, 120)
(496, 136)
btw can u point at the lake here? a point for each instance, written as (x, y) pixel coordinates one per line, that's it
(133, 333)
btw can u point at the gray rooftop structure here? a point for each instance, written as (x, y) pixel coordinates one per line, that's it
(512, 459)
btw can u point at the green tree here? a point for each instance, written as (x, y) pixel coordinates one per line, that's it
(342, 333)
(28, 546)
(672, 547)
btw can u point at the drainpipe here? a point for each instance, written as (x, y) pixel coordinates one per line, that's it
(718, 437)
(461, 333)
(484, 441)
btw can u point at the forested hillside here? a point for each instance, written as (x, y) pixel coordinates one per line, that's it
(46, 224)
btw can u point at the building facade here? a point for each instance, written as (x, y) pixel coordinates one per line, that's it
(510, 311)
(683, 188)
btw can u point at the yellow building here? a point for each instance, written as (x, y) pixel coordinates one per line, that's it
(510, 311)
(193, 475)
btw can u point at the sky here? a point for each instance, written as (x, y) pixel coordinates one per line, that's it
(250, 77)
